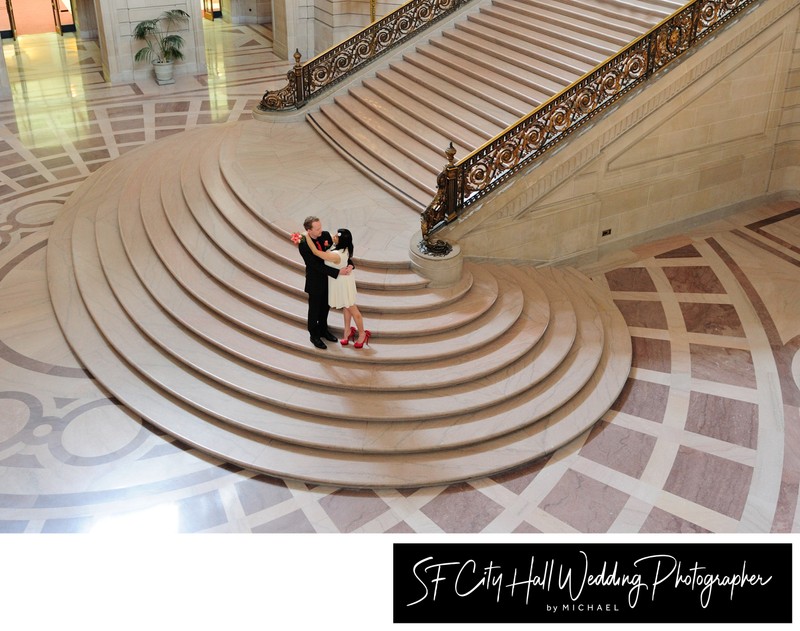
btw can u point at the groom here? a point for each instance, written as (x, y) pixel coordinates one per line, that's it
(317, 282)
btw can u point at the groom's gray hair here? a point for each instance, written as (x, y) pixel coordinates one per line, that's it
(309, 220)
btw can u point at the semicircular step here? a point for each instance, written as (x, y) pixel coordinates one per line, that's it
(212, 347)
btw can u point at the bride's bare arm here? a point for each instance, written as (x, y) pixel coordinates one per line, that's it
(333, 257)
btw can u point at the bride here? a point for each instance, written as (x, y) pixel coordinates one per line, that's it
(342, 290)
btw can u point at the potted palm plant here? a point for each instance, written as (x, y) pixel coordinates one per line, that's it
(162, 44)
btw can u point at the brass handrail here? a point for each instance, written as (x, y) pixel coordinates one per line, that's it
(335, 64)
(463, 183)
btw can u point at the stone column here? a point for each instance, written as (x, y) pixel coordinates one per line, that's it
(85, 18)
(282, 13)
(293, 28)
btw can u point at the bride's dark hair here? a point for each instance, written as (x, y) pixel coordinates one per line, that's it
(345, 241)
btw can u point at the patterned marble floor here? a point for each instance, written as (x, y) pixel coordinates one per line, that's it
(704, 439)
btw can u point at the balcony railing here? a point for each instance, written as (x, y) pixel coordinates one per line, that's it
(335, 64)
(464, 183)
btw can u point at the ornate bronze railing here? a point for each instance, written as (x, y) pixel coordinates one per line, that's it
(329, 68)
(463, 183)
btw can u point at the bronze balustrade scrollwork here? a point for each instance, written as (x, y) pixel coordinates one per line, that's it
(464, 183)
(329, 68)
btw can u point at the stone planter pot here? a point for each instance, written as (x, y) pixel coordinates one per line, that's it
(164, 72)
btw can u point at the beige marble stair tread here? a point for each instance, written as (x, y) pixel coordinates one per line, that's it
(603, 36)
(152, 319)
(470, 112)
(263, 323)
(539, 70)
(200, 227)
(659, 8)
(530, 47)
(191, 265)
(382, 236)
(237, 409)
(602, 11)
(506, 66)
(586, 16)
(297, 463)
(581, 48)
(411, 192)
(267, 244)
(282, 328)
(408, 142)
(427, 83)
(513, 105)
(435, 130)
(510, 83)
(381, 149)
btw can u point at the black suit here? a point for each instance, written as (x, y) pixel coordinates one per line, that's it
(317, 285)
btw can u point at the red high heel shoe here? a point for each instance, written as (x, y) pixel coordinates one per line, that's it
(353, 335)
(367, 334)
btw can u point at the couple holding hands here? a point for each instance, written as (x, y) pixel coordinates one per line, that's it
(330, 283)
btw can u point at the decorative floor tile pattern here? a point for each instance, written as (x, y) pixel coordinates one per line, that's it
(704, 437)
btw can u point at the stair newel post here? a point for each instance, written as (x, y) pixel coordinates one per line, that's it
(444, 206)
(292, 95)
(299, 84)
(436, 259)
(452, 201)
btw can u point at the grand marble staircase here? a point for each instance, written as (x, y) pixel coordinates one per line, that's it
(186, 303)
(471, 80)
(183, 296)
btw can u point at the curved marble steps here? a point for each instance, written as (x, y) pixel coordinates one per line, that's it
(235, 391)
(237, 179)
(368, 469)
(188, 261)
(469, 82)
(453, 328)
(200, 225)
(109, 316)
(242, 235)
(179, 321)
(178, 360)
(238, 234)
(461, 329)
(454, 325)
(252, 415)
